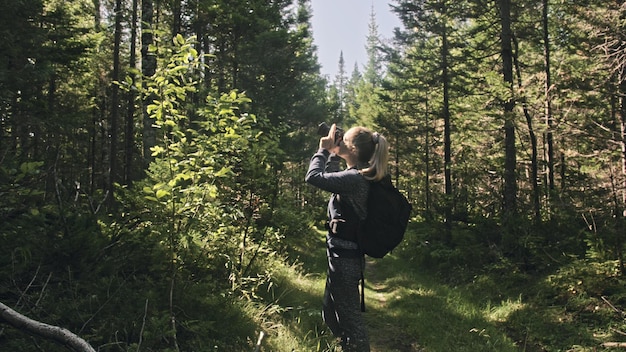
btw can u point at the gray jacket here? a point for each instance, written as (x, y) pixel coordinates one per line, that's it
(347, 187)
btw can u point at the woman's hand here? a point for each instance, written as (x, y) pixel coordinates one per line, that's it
(329, 142)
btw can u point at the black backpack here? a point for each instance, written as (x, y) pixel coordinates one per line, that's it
(388, 213)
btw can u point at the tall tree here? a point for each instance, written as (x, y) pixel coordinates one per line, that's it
(534, 159)
(447, 141)
(351, 96)
(609, 30)
(370, 108)
(510, 158)
(549, 139)
(373, 67)
(269, 53)
(148, 68)
(340, 84)
(435, 32)
(177, 13)
(115, 102)
(129, 130)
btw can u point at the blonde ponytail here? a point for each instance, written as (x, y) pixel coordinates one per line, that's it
(378, 163)
(372, 152)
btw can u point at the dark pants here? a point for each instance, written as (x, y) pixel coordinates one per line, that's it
(342, 302)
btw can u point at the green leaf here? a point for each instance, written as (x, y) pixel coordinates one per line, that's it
(223, 172)
(183, 176)
(30, 167)
(156, 150)
(226, 111)
(162, 193)
(179, 39)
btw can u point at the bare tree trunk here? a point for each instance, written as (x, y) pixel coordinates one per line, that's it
(534, 164)
(427, 163)
(510, 159)
(129, 133)
(548, 102)
(445, 77)
(148, 67)
(50, 332)
(115, 101)
(95, 115)
(176, 20)
(620, 235)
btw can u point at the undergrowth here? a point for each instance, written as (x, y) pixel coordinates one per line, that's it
(419, 298)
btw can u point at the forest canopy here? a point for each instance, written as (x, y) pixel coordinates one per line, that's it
(152, 154)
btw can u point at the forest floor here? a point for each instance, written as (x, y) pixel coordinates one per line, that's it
(407, 309)
(576, 307)
(384, 334)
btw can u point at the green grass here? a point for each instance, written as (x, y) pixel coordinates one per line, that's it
(414, 312)
(410, 308)
(298, 286)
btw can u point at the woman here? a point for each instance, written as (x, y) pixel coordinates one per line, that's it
(366, 154)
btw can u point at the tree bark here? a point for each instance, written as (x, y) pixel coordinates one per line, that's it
(115, 102)
(50, 332)
(445, 77)
(548, 103)
(510, 159)
(176, 18)
(534, 161)
(129, 133)
(148, 67)
(620, 236)
(427, 162)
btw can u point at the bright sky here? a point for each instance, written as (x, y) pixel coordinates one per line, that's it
(342, 25)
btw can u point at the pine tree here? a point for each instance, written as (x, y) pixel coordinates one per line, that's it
(434, 42)
(369, 106)
(351, 96)
(340, 86)
(373, 68)
(510, 159)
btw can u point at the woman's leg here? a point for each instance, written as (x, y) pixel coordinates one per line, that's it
(329, 313)
(342, 303)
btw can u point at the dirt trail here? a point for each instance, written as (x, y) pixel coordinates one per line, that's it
(385, 336)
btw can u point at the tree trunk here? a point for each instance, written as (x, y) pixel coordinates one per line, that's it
(622, 112)
(95, 115)
(534, 165)
(620, 234)
(548, 102)
(427, 163)
(176, 20)
(148, 67)
(51, 332)
(129, 134)
(115, 101)
(445, 78)
(510, 178)
(97, 17)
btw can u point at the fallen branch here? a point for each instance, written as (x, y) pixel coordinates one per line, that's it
(259, 341)
(618, 311)
(50, 332)
(618, 331)
(614, 344)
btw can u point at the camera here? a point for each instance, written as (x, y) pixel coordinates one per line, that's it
(323, 128)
